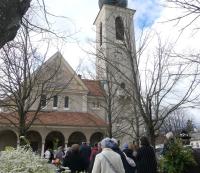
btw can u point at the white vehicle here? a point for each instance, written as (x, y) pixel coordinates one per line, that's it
(159, 149)
(195, 144)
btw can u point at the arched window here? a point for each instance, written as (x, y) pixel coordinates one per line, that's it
(55, 101)
(119, 28)
(66, 102)
(100, 32)
(76, 138)
(122, 85)
(43, 100)
(54, 139)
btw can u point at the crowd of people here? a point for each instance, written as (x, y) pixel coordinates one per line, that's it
(107, 157)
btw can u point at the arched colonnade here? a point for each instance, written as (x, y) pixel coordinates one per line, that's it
(40, 140)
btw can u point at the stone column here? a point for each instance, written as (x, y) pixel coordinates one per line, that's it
(42, 151)
(66, 135)
(18, 141)
(66, 143)
(88, 135)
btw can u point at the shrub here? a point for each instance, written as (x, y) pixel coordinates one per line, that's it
(177, 158)
(22, 160)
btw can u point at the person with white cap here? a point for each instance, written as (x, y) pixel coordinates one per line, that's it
(168, 142)
(108, 161)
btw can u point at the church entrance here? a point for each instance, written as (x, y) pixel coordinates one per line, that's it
(35, 140)
(54, 140)
(96, 137)
(7, 138)
(76, 138)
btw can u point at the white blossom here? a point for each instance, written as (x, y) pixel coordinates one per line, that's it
(22, 160)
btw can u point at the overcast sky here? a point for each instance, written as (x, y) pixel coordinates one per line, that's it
(82, 13)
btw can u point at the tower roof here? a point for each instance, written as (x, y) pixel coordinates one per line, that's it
(119, 3)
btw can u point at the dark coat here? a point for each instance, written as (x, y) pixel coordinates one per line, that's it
(127, 167)
(129, 153)
(194, 168)
(146, 160)
(85, 151)
(74, 161)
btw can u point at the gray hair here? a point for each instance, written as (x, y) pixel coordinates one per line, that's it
(107, 143)
(114, 140)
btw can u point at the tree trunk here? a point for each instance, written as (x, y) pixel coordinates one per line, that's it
(11, 13)
(109, 126)
(151, 135)
(22, 130)
(137, 130)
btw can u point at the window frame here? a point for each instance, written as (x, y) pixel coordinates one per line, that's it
(100, 34)
(119, 28)
(96, 105)
(66, 97)
(55, 101)
(43, 100)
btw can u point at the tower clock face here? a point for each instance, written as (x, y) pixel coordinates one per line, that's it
(120, 3)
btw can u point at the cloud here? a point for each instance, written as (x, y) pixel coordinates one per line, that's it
(147, 11)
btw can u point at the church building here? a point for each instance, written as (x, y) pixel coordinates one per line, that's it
(76, 114)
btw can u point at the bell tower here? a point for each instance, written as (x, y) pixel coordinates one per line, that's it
(116, 63)
(115, 40)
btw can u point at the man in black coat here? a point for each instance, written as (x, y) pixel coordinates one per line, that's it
(85, 151)
(74, 160)
(146, 158)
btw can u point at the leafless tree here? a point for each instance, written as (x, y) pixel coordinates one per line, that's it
(27, 82)
(13, 15)
(112, 104)
(110, 107)
(157, 94)
(175, 122)
(152, 80)
(117, 108)
(190, 10)
(121, 111)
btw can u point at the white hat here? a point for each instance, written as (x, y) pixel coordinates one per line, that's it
(169, 135)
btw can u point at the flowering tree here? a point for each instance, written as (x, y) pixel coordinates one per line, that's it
(23, 160)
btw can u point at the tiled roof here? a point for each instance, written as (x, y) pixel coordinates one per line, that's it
(94, 87)
(60, 119)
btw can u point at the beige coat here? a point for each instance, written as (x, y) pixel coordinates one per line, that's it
(101, 165)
